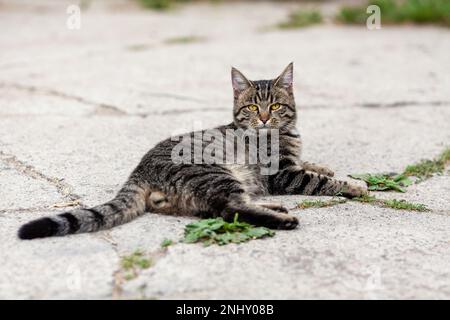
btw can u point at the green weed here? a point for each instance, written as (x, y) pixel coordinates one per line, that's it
(166, 243)
(384, 181)
(365, 199)
(305, 204)
(217, 231)
(404, 205)
(393, 204)
(157, 4)
(301, 19)
(406, 11)
(393, 181)
(184, 40)
(134, 262)
(427, 168)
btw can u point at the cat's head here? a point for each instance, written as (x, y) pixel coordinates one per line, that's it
(264, 103)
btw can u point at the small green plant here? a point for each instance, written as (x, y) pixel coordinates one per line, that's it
(405, 11)
(134, 262)
(393, 181)
(166, 243)
(184, 40)
(352, 15)
(301, 19)
(384, 181)
(157, 4)
(404, 205)
(160, 4)
(427, 168)
(365, 199)
(218, 231)
(138, 47)
(394, 203)
(305, 204)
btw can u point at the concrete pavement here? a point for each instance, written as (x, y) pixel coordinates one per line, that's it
(78, 108)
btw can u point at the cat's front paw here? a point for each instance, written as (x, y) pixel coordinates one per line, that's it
(288, 222)
(317, 168)
(354, 190)
(325, 171)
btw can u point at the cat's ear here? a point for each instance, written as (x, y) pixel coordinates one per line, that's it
(239, 81)
(285, 79)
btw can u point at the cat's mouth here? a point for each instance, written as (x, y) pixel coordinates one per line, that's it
(266, 125)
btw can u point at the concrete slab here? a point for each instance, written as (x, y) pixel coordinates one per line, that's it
(20, 191)
(80, 268)
(349, 251)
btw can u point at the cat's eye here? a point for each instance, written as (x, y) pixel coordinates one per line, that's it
(253, 107)
(275, 106)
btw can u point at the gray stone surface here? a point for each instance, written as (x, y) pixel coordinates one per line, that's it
(79, 108)
(32, 192)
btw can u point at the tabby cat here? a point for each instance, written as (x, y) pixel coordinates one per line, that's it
(158, 184)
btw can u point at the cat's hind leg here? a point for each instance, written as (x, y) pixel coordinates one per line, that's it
(210, 191)
(259, 216)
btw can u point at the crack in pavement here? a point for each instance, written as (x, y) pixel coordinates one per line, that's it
(397, 104)
(174, 96)
(117, 275)
(29, 209)
(63, 188)
(104, 109)
(178, 111)
(33, 89)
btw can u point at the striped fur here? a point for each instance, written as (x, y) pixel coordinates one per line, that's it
(160, 185)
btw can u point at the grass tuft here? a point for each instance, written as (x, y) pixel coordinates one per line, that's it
(184, 40)
(393, 204)
(404, 205)
(163, 4)
(157, 4)
(301, 19)
(217, 231)
(134, 262)
(406, 11)
(138, 47)
(305, 204)
(427, 168)
(393, 181)
(166, 243)
(365, 199)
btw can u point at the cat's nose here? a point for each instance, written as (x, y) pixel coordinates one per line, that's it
(264, 117)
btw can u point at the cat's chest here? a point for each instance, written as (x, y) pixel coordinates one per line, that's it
(250, 177)
(291, 144)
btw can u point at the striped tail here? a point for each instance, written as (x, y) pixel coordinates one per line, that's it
(126, 206)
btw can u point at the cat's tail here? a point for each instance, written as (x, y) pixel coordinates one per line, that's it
(129, 203)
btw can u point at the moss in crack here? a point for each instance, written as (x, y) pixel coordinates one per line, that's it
(166, 243)
(393, 203)
(427, 168)
(422, 170)
(305, 204)
(133, 263)
(301, 19)
(184, 40)
(400, 12)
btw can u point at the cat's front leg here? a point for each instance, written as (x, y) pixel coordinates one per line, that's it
(309, 166)
(297, 180)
